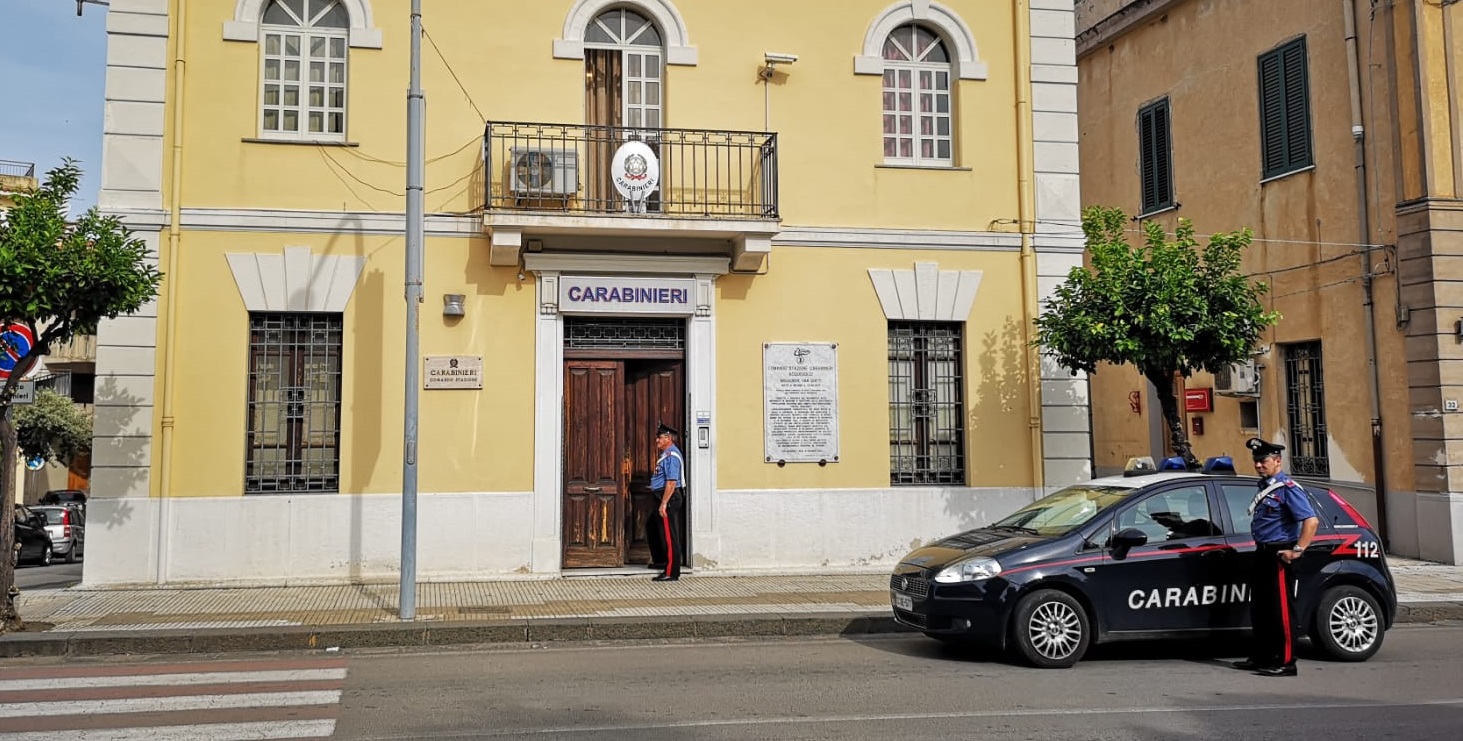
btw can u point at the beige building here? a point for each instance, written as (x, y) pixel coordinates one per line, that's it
(15, 176)
(1330, 128)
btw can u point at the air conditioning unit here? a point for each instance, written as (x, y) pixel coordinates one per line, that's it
(543, 171)
(1239, 379)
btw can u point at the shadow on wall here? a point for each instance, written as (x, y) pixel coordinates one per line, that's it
(115, 440)
(996, 394)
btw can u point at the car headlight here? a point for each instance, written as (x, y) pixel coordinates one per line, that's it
(973, 569)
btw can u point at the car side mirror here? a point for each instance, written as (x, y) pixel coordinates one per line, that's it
(1126, 540)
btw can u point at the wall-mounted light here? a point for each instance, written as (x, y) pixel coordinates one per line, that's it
(452, 304)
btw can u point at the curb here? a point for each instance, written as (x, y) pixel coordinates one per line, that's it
(215, 641)
(219, 641)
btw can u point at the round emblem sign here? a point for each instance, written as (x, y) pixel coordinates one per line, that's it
(635, 171)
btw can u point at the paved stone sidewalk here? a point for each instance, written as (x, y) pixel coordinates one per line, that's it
(80, 622)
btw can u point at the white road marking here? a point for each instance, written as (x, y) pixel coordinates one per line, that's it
(159, 680)
(170, 704)
(211, 731)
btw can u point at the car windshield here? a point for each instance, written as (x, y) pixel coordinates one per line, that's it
(1069, 508)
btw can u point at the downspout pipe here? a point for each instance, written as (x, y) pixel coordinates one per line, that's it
(169, 301)
(1026, 214)
(1363, 225)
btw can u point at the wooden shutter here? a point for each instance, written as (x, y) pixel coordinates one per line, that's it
(1272, 113)
(1155, 165)
(1297, 106)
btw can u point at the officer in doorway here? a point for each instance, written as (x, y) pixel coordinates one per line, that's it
(669, 482)
(1283, 524)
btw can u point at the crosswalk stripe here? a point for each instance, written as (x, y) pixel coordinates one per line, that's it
(157, 680)
(211, 731)
(181, 702)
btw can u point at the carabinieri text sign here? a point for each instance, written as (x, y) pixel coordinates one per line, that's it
(598, 294)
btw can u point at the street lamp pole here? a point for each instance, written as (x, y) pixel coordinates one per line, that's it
(415, 235)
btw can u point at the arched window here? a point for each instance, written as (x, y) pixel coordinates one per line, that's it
(917, 116)
(623, 61)
(304, 69)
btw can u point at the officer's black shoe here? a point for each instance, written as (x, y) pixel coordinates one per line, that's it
(664, 577)
(1246, 665)
(1285, 670)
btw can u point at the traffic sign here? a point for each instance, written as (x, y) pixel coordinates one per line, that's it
(16, 342)
(25, 393)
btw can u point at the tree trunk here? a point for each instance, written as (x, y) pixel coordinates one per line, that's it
(1177, 435)
(9, 617)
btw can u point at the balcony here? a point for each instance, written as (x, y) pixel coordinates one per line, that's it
(16, 176)
(548, 180)
(80, 352)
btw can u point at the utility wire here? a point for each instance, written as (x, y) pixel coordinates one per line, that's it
(453, 72)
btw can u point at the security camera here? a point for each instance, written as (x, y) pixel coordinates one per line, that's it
(774, 58)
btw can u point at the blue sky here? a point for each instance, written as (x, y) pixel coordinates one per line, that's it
(52, 78)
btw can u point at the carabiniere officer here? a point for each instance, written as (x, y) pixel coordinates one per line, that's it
(1283, 524)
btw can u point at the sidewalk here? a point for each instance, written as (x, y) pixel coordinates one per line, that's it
(77, 622)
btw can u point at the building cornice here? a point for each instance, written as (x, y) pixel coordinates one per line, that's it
(1109, 29)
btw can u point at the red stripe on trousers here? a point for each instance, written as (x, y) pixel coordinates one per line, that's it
(670, 546)
(1285, 612)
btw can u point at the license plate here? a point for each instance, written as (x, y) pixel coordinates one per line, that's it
(903, 601)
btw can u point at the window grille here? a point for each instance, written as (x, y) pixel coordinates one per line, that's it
(294, 403)
(583, 333)
(1306, 409)
(926, 404)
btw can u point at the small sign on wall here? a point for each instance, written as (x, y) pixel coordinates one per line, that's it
(1199, 400)
(453, 372)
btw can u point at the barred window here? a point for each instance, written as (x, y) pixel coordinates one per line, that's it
(293, 441)
(926, 404)
(1305, 407)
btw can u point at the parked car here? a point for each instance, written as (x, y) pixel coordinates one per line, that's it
(66, 524)
(64, 496)
(1142, 556)
(32, 542)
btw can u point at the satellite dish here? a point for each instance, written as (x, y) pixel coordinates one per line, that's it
(35, 464)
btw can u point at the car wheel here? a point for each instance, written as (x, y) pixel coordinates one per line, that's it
(1348, 624)
(1051, 629)
(46, 555)
(71, 553)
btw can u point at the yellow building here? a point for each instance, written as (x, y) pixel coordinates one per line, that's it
(1329, 128)
(792, 230)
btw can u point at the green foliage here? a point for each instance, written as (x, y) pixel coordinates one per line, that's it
(61, 278)
(1167, 306)
(54, 428)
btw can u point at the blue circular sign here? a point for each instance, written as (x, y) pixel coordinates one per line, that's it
(16, 342)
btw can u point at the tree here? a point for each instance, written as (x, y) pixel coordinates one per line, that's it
(54, 428)
(1167, 307)
(58, 279)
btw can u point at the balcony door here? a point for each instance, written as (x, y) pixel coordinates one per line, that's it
(624, 64)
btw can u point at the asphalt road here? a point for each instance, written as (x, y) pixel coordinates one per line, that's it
(55, 576)
(895, 687)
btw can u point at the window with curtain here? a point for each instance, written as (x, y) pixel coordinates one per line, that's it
(917, 113)
(303, 74)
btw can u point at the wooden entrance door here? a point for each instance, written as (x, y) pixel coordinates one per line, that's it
(594, 533)
(655, 391)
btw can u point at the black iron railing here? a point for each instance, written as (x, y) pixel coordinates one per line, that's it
(11, 168)
(567, 168)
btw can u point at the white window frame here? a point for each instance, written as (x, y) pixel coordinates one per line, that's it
(916, 70)
(306, 33)
(643, 52)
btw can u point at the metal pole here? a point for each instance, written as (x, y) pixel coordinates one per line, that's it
(415, 234)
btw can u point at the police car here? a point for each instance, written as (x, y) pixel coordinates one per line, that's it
(1149, 554)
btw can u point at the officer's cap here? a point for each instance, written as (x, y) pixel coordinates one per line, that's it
(1261, 449)
(664, 430)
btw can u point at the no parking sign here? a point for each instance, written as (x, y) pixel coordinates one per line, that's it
(16, 342)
